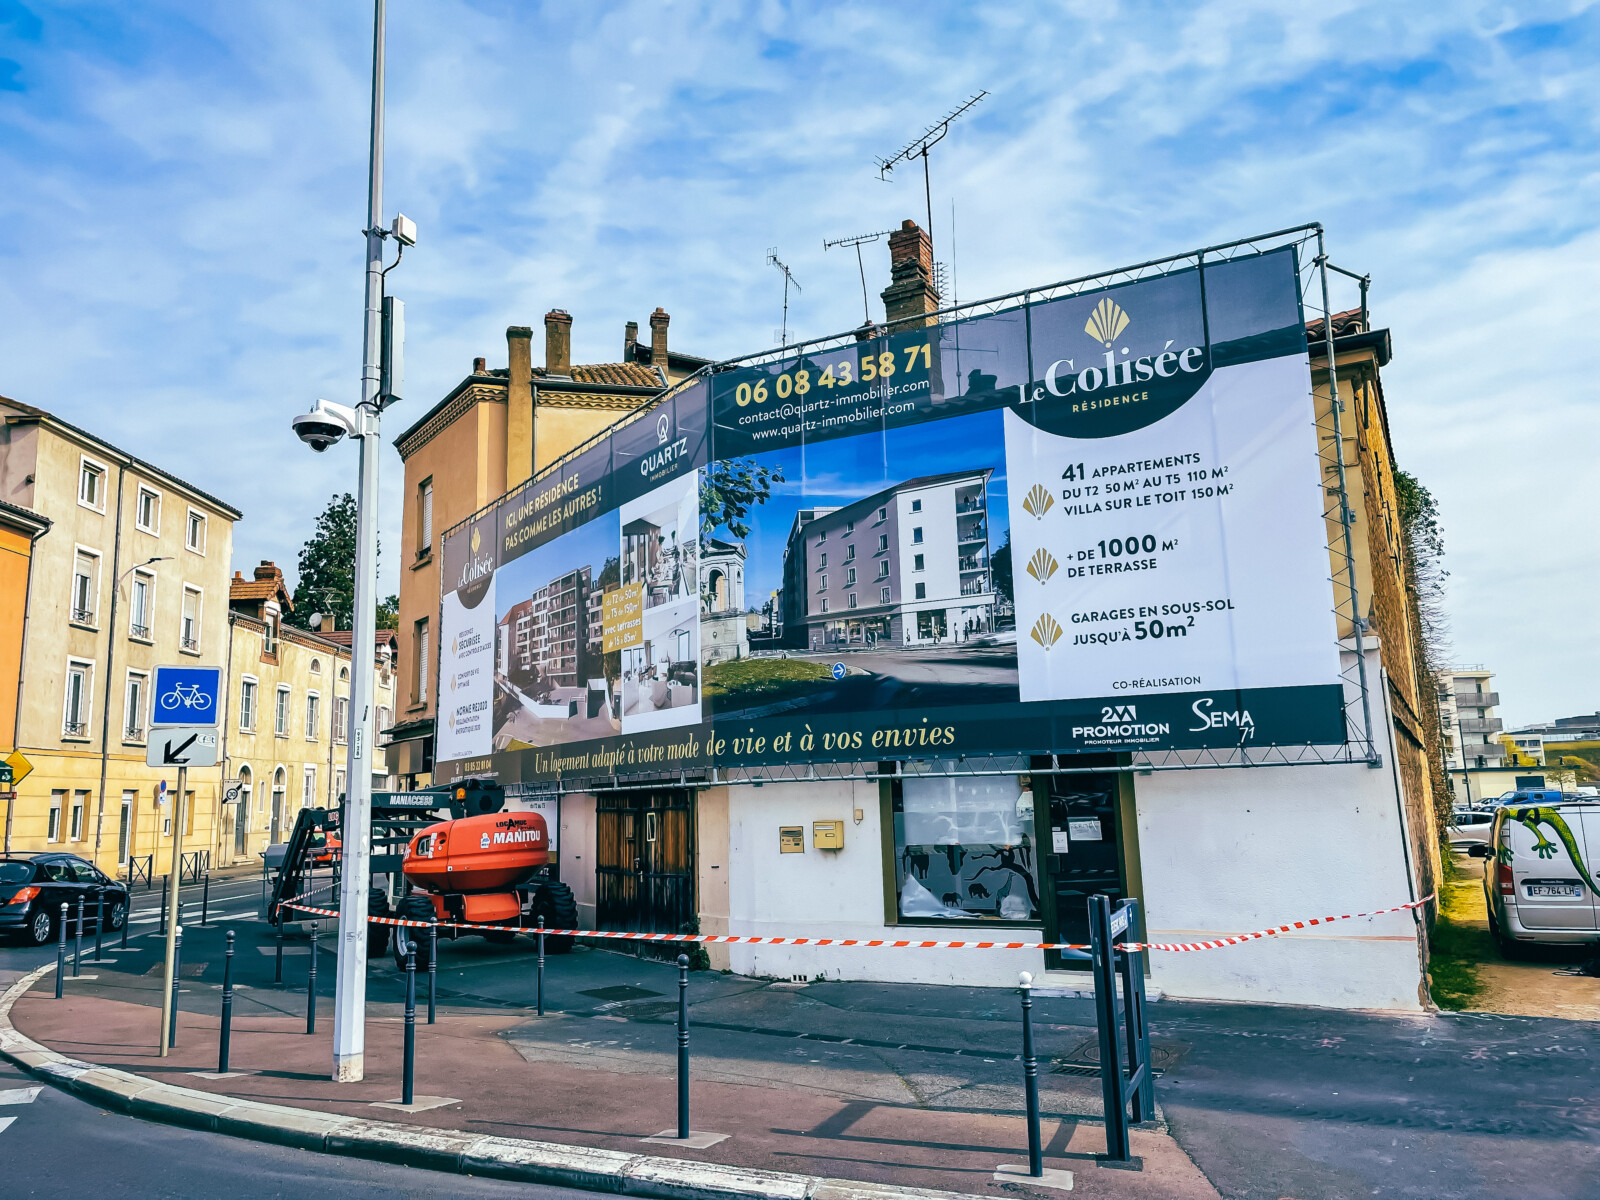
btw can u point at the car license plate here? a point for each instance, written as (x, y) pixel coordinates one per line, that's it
(1567, 891)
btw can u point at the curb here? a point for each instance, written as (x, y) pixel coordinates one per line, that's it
(434, 1149)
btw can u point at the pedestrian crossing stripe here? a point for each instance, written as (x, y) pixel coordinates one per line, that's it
(25, 1095)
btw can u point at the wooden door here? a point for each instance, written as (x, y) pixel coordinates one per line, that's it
(645, 862)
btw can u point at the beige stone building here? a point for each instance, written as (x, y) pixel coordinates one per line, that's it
(286, 716)
(132, 574)
(495, 429)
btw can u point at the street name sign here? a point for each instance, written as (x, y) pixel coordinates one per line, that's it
(186, 696)
(186, 746)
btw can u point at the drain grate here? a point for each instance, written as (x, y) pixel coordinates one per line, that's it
(622, 991)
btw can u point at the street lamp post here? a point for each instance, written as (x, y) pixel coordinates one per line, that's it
(323, 426)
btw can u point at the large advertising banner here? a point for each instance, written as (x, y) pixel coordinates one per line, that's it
(1089, 524)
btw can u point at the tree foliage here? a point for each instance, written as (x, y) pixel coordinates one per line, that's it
(1423, 532)
(389, 613)
(1000, 569)
(327, 566)
(729, 489)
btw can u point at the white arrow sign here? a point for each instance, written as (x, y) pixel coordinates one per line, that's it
(186, 746)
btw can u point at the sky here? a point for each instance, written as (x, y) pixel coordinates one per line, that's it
(185, 185)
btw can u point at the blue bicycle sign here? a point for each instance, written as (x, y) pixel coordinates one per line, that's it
(186, 696)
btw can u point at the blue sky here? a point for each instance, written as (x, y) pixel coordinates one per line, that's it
(185, 183)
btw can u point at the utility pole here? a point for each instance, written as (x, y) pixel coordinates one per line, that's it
(350, 997)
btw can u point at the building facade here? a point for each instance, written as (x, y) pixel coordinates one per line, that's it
(490, 433)
(286, 716)
(132, 574)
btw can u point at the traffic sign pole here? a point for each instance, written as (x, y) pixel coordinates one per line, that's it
(179, 814)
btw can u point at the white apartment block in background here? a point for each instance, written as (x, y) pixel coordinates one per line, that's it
(1470, 730)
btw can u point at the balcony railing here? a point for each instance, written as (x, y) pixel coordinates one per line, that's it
(977, 589)
(74, 728)
(133, 733)
(1476, 699)
(191, 643)
(1483, 725)
(974, 564)
(83, 616)
(969, 506)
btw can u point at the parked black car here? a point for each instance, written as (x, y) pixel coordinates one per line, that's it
(34, 886)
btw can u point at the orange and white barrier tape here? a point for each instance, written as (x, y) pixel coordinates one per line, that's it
(726, 939)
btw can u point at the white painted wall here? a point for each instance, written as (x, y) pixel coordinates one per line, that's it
(577, 852)
(835, 893)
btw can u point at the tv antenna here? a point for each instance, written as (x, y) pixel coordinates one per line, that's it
(788, 278)
(858, 241)
(919, 147)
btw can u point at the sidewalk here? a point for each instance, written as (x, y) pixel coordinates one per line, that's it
(851, 1081)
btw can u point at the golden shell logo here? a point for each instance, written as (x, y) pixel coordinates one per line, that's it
(452, 683)
(1042, 565)
(1106, 322)
(1046, 631)
(1038, 501)
(476, 539)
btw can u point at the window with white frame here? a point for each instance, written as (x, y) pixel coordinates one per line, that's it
(75, 710)
(269, 638)
(58, 798)
(316, 666)
(142, 605)
(313, 712)
(852, 599)
(248, 687)
(85, 586)
(883, 568)
(385, 717)
(308, 797)
(338, 784)
(341, 718)
(194, 532)
(80, 801)
(425, 517)
(419, 647)
(92, 484)
(883, 595)
(280, 716)
(133, 702)
(189, 632)
(147, 510)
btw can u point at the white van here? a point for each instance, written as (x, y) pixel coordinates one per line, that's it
(1540, 882)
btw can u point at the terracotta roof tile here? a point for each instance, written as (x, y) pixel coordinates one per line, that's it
(615, 374)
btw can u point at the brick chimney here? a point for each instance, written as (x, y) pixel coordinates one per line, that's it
(910, 293)
(557, 342)
(630, 339)
(519, 408)
(658, 340)
(268, 570)
(480, 366)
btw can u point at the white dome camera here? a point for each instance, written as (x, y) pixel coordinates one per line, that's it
(324, 425)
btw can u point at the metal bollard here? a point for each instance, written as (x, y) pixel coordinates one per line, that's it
(227, 1007)
(277, 933)
(433, 967)
(177, 974)
(165, 881)
(406, 1090)
(683, 1046)
(127, 917)
(1030, 1078)
(61, 949)
(77, 939)
(205, 900)
(99, 920)
(311, 985)
(541, 966)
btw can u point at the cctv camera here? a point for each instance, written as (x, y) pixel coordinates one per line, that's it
(324, 425)
(317, 431)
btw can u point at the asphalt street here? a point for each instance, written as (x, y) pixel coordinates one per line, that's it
(1269, 1101)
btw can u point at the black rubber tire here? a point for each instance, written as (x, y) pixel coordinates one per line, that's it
(418, 906)
(554, 902)
(1510, 949)
(378, 935)
(41, 929)
(501, 937)
(116, 914)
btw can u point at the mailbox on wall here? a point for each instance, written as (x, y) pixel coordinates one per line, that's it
(827, 835)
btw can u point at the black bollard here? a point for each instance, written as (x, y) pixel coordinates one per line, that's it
(165, 880)
(277, 933)
(127, 916)
(61, 949)
(227, 1006)
(433, 966)
(541, 966)
(683, 1046)
(177, 974)
(77, 939)
(311, 985)
(99, 920)
(406, 1090)
(1030, 1078)
(205, 900)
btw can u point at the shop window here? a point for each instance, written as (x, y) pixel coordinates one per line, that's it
(964, 851)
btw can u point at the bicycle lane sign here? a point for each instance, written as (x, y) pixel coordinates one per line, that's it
(186, 696)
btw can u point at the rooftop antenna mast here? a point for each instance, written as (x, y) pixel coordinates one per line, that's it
(919, 147)
(788, 278)
(858, 241)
